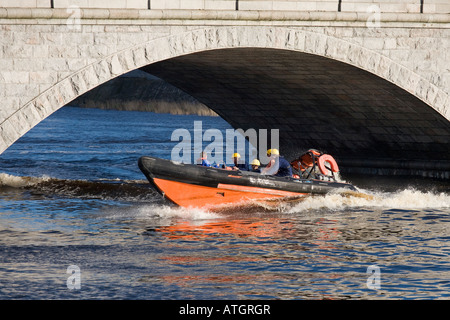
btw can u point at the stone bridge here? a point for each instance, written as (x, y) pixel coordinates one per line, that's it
(367, 81)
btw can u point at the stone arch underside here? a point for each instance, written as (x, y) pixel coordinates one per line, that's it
(316, 102)
(376, 131)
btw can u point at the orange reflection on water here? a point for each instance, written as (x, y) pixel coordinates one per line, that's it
(194, 260)
(263, 228)
(327, 232)
(255, 230)
(189, 280)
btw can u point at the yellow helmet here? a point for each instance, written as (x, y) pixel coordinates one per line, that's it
(273, 151)
(255, 162)
(236, 155)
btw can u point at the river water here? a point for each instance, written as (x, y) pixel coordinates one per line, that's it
(73, 198)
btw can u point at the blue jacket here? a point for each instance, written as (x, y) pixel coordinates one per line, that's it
(243, 166)
(284, 169)
(205, 163)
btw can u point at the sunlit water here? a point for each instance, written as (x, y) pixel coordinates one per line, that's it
(71, 194)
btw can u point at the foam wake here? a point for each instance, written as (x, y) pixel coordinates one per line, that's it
(114, 189)
(141, 191)
(404, 199)
(161, 212)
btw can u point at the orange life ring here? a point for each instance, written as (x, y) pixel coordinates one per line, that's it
(327, 158)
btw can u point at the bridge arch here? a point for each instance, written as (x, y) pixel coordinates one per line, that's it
(213, 38)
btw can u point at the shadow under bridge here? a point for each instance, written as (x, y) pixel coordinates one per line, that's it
(367, 123)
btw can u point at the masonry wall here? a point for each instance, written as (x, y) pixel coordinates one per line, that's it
(404, 6)
(37, 53)
(50, 57)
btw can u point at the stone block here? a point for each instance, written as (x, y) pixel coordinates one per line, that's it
(8, 133)
(66, 91)
(128, 39)
(78, 84)
(106, 38)
(115, 66)
(315, 43)
(18, 51)
(220, 4)
(90, 77)
(66, 3)
(76, 64)
(139, 57)
(255, 5)
(14, 77)
(390, 43)
(411, 82)
(41, 77)
(165, 4)
(211, 38)
(439, 101)
(373, 43)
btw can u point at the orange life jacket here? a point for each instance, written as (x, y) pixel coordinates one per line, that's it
(306, 160)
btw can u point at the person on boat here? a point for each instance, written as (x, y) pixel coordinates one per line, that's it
(255, 165)
(278, 165)
(239, 166)
(203, 161)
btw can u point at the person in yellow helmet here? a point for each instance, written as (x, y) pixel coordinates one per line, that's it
(255, 165)
(278, 165)
(239, 165)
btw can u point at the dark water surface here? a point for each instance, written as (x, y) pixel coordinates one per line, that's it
(71, 194)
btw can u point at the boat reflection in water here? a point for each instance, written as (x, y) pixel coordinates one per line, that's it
(264, 261)
(197, 186)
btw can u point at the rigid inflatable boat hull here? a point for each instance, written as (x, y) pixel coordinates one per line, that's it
(196, 186)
